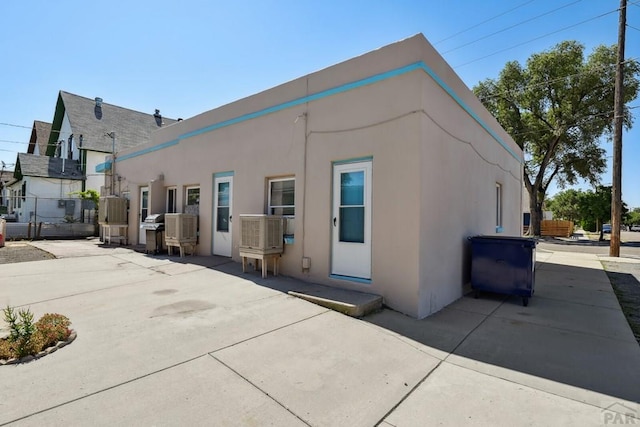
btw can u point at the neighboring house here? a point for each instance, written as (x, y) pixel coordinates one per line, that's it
(18, 201)
(42, 189)
(387, 162)
(87, 130)
(39, 140)
(6, 177)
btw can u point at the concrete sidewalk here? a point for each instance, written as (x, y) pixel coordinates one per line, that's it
(197, 342)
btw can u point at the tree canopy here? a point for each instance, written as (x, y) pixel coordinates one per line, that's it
(590, 209)
(633, 217)
(557, 108)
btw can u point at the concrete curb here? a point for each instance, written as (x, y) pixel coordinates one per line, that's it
(351, 303)
(43, 353)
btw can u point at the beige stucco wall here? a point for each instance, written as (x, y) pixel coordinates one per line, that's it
(461, 164)
(433, 177)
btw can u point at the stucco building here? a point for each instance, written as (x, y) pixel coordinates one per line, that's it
(386, 164)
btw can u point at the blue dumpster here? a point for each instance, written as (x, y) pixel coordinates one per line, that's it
(504, 265)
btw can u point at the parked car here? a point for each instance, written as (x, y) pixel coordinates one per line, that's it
(635, 227)
(606, 228)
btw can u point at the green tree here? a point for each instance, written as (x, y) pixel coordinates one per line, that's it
(595, 208)
(557, 108)
(633, 217)
(566, 205)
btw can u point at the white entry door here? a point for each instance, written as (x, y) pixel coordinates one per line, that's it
(144, 211)
(351, 222)
(222, 215)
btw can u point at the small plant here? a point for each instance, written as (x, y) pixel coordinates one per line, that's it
(21, 329)
(52, 328)
(29, 338)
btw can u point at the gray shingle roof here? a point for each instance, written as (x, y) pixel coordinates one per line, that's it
(39, 135)
(132, 128)
(47, 167)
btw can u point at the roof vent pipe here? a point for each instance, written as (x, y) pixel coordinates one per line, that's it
(98, 102)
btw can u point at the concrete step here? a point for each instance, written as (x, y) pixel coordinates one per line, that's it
(351, 303)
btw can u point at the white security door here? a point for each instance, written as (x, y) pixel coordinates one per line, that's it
(222, 215)
(351, 222)
(144, 211)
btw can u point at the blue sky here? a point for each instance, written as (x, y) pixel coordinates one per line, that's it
(191, 56)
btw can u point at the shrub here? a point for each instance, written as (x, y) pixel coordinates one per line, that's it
(29, 338)
(7, 350)
(52, 328)
(21, 329)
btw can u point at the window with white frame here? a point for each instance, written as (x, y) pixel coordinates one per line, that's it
(192, 200)
(171, 199)
(498, 207)
(193, 196)
(282, 197)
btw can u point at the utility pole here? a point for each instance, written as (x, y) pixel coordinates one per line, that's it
(616, 186)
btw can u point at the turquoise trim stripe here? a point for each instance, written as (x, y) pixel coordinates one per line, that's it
(305, 99)
(103, 167)
(469, 111)
(222, 174)
(353, 160)
(350, 279)
(107, 165)
(420, 65)
(148, 150)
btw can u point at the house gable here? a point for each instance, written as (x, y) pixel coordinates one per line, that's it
(47, 167)
(94, 120)
(39, 138)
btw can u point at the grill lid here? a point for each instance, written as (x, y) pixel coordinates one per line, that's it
(159, 226)
(155, 218)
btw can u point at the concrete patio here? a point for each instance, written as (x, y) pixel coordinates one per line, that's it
(195, 341)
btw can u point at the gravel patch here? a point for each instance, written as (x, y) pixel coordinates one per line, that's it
(22, 251)
(625, 280)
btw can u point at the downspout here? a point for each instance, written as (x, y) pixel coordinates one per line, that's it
(305, 262)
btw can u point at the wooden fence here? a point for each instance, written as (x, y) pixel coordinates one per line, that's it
(556, 228)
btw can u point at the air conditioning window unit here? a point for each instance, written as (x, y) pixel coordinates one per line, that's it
(112, 211)
(261, 234)
(180, 228)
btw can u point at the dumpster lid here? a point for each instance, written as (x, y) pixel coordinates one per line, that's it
(505, 239)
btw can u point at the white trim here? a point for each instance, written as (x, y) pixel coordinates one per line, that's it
(270, 206)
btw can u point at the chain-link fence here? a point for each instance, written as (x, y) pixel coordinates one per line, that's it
(59, 210)
(38, 217)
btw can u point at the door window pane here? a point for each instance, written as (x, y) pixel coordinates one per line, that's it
(352, 188)
(352, 224)
(171, 200)
(144, 207)
(223, 194)
(222, 210)
(222, 223)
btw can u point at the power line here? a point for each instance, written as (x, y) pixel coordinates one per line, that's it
(16, 126)
(512, 26)
(483, 22)
(546, 83)
(536, 38)
(633, 28)
(13, 142)
(604, 113)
